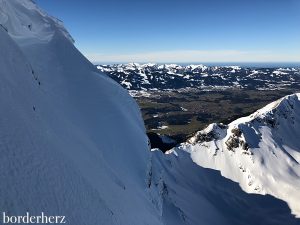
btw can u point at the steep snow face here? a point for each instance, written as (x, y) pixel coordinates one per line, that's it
(72, 141)
(261, 152)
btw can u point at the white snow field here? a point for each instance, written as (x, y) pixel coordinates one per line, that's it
(73, 143)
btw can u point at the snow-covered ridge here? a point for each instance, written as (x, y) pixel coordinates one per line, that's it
(136, 77)
(261, 151)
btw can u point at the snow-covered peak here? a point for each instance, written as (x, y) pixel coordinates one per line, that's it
(261, 151)
(234, 67)
(132, 65)
(149, 65)
(274, 115)
(24, 20)
(197, 67)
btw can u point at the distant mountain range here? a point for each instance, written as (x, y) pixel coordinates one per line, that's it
(134, 76)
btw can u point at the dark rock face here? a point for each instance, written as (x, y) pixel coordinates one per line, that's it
(236, 141)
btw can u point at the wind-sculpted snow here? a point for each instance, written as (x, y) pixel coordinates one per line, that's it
(73, 143)
(136, 77)
(261, 152)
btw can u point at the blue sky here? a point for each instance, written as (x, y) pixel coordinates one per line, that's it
(182, 30)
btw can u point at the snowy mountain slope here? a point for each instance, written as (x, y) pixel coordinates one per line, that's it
(72, 143)
(261, 152)
(59, 124)
(137, 77)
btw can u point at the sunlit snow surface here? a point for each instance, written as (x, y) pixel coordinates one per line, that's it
(266, 157)
(73, 143)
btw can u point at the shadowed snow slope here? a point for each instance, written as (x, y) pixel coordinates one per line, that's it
(73, 143)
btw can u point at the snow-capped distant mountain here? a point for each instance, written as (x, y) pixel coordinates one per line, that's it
(134, 76)
(261, 152)
(72, 143)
